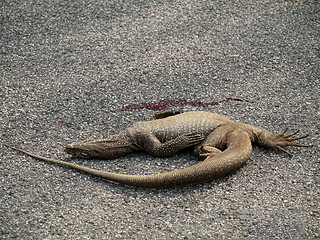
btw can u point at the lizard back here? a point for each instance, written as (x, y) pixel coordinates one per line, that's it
(202, 123)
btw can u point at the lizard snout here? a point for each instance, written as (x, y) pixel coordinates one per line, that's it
(69, 148)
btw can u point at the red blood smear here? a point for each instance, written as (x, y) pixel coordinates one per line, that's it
(165, 103)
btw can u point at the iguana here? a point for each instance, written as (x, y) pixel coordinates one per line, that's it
(225, 144)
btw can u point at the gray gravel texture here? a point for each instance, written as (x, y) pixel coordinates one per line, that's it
(67, 67)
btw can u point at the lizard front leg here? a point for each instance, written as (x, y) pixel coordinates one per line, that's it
(165, 114)
(151, 144)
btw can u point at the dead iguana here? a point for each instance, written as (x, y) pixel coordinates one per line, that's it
(225, 144)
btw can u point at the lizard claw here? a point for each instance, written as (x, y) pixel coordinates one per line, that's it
(193, 139)
(209, 151)
(281, 140)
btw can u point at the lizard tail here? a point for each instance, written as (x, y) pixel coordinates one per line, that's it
(213, 167)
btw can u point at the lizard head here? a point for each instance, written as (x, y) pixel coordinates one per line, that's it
(106, 148)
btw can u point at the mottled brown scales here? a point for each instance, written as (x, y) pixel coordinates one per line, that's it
(225, 144)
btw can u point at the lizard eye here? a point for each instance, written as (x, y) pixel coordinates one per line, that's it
(84, 155)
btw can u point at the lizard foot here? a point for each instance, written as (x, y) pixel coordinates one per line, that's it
(209, 151)
(281, 140)
(191, 139)
(165, 113)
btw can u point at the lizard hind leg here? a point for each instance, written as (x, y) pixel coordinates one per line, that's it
(208, 151)
(285, 140)
(214, 143)
(280, 140)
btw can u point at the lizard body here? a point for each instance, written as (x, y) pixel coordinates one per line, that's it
(225, 144)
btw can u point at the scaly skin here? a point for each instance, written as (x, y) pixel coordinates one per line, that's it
(225, 144)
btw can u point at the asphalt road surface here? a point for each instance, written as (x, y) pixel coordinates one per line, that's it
(68, 69)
